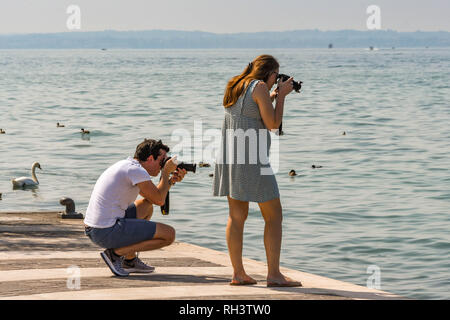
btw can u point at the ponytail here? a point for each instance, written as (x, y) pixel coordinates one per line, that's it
(246, 72)
(259, 69)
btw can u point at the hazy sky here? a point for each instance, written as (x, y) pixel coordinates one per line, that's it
(224, 16)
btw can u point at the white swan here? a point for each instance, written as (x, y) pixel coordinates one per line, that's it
(24, 182)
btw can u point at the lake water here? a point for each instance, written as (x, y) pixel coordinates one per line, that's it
(381, 198)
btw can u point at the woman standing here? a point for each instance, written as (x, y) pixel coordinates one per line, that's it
(249, 111)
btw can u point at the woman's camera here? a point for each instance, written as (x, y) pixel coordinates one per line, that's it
(297, 85)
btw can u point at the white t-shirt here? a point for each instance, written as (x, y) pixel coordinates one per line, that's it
(114, 191)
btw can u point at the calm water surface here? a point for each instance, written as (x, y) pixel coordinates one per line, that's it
(382, 196)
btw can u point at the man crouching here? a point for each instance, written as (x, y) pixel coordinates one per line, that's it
(118, 222)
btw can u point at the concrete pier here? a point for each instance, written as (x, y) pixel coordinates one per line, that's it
(45, 257)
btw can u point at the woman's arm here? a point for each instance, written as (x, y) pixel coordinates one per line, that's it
(274, 94)
(271, 117)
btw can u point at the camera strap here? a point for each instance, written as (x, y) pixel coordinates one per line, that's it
(165, 206)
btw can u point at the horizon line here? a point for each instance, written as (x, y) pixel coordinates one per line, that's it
(216, 33)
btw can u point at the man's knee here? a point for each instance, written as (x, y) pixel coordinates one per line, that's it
(144, 209)
(171, 235)
(149, 210)
(166, 233)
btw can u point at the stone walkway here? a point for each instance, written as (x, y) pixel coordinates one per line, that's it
(45, 257)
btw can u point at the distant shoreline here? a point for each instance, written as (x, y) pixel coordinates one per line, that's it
(212, 49)
(167, 39)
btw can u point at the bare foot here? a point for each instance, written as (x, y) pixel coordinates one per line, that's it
(283, 281)
(242, 280)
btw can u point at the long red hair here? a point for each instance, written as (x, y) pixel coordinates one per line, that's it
(259, 69)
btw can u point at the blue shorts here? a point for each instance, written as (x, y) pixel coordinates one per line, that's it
(127, 231)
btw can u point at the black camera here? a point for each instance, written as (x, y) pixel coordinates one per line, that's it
(296, 84)
(187, 166)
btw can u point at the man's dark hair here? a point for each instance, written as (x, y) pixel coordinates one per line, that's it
(149, 147)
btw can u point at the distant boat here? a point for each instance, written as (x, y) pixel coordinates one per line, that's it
(103, 49)
(371, 48)
(330, 46)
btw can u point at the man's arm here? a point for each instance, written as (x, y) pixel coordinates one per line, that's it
(155, 194)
